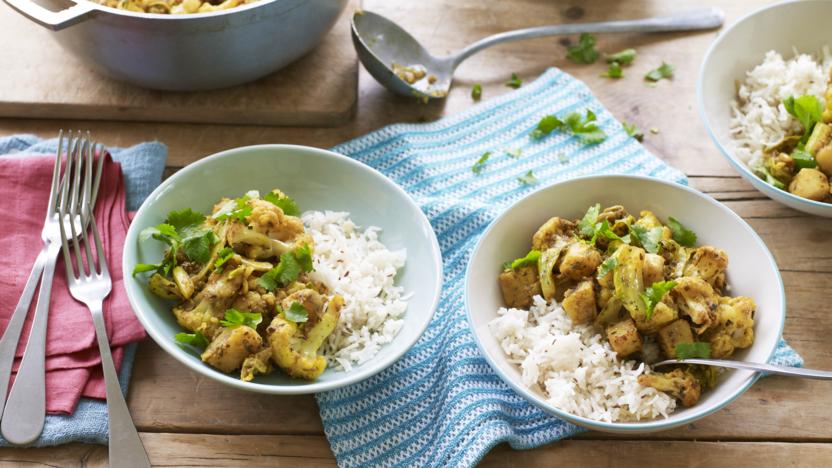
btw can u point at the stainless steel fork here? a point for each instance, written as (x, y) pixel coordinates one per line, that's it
(25, 409)
(91, 285)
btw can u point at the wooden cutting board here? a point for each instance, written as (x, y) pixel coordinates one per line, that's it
(39, 80)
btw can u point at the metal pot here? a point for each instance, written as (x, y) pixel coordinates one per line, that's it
(188, 52)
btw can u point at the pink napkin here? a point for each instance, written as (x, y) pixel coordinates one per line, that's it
(73, 360)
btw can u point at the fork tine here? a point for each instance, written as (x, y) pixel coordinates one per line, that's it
(86, 211)
(76, 156)
(79, 166)
(102, 260)
(56, 176)
(98, 171)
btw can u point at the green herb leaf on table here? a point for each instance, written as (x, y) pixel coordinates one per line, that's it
(664, 71)
(515, 81)
(586, 226)
(476, 92)
(223, 256)
(614, 70)
(650, 239)
(584, 127)
(681, 234)
(654, 294)
(624, 57)
(291, 265)
(480, 164)
(145, 267)
(296, 313)
(606, 267)
(530, 259)
(528, 179)
(196, 339)
(235, 318)
(285, 203)
(633, 130)
(547, 125)
(700, 350)
(514, 153)
(584, 51)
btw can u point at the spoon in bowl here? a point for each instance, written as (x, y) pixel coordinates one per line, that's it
(401, 64)
(754, 366)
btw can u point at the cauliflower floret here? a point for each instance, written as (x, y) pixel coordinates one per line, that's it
(253, 244)
(267, 218)
(548, 234)
(735, 326)
(208, 307)
(680, 384)
(257, 363)
(708, 263)
(697, 300)
(231, 347)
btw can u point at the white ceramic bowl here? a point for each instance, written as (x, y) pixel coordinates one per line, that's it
(318, 180)
(803, 25)
(752, 272)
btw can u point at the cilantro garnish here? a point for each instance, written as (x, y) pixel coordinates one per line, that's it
(239, 209)
(586, 226)
(234, 318)
(284, 202)
(624, 57)
(223, 256)
(607, 266)
(196, 339)
(291, 265)
(584, 127)
(807, 109)
(547, 125)
(604, 230)
(681, 234)
(584, 51)
(514, 153)
(650, 239)
(654, 294)
(480, 164)
(182, 230)
(530, 259)
(664, 71)
(476, 92)
(296, 313)
(693, 350)
(633, 130)
(528, 179)
(515, 81)
(197, 247)
(613, 71)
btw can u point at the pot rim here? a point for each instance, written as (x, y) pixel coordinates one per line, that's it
(183, 17)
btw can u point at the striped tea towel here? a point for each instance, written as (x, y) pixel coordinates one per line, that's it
(441, 404)
(142, 166)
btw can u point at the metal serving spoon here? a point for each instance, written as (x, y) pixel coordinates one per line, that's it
(382, 46)
(754, 366)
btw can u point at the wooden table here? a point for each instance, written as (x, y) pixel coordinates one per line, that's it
(187, 420)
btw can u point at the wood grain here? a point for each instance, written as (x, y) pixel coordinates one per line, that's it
(41, 80)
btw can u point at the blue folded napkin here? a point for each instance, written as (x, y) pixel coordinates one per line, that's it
(441, 404)
(142, 166)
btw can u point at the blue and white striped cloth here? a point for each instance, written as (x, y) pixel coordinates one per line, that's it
(441, 404)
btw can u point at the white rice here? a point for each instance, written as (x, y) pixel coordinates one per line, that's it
(354, 264)
(575, 367)
(759, 117)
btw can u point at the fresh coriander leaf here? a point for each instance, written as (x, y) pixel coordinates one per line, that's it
(633, 131)
(693, 350)
(613, 71)
(585, 128)
(664, 71)
(296, 313)
(563, 158)
(769, 178)
(681, 234)
(239, 209)
(303, 255)
(476, 92)
(291, 265)
(185, 220)
(807, 109)
(624, 57)
(586, 226)
(584, 51)
(145, 267)
(547, 125)
(650, 239)
(515, 81)
(163, 232)
(528, 179)
(607, 266)
(654, 294)
(223, 256)
(235, 318)
(285, 203)
(480, 164)
(196, 339)
(514, 153)
(803, 159)
(530, 259)
(604, 230)
(198, 247)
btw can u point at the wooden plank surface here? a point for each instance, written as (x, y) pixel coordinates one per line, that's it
(187, 420)
(41, 80)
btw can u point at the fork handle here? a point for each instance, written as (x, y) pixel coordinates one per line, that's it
(8, 344)
(25, 410)
(126, 448)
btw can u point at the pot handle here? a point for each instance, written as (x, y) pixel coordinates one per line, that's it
(54, 20)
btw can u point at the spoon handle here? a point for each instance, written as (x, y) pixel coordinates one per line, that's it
(754, 366)
(706, 18)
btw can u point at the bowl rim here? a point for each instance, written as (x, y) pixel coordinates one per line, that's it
(631, 427)
(745, 171)
(174, 17)
(382, 360)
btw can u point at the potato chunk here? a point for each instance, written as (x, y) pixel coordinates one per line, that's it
(547, 234)
(663, 313)
(579, 303)
(708, 263)
(624, 338)
(673, 334)
(231, 347)
(519, 286)
(580, 260)
(653, 270)
(810, 183)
